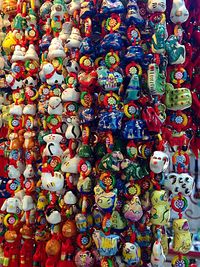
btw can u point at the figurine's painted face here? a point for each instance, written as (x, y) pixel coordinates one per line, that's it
(156, 5)
(84, 259)
(159, 162)
(131, 253)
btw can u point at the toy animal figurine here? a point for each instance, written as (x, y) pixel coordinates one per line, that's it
(52, 182)
(111, 161)
(70, 164)
(156, 80)
(133, 170)
(106, 201)
(74, 40)
(29, 171)
(135, 129)
(133, 89)
(56, 49)
(13, 82)
(131, 254)
(106, 244)
(70, 94)
(159, 162)
(133, 209)
(52, 145)
(73, 130)
(84, 259)
(51, 75)
(179, 183)
(29, 140)
(55, 106)
(176, 52)
(182, 241)
(157, 256)
(177, 99)
(53, 216)
(160, 211)
(179, 13)
(154, 6)
(133, 14)
(158, 39)
(110, 120)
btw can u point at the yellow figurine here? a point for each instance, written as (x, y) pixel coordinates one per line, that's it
(160, 211)
(182, 240)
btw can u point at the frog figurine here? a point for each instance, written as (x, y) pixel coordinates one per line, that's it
(182, 241)
(158, 39)
(160, 211)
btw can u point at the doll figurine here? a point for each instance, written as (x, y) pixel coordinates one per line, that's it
(182, 241)
(157, 256)
(160, 211)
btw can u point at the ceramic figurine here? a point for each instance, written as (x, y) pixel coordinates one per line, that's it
(84, 259)
(182, 241)
(158, 39)
(106, 201)
(52, 182)
(111, 161)
(160, 211)
(131, 254)
(53, 216)
(109, 7)
(74, 40)
(73, 130)
(133, 210)
(157, 256)
(177, 99)
(179, 13)
(133, 14)
(51, 75)
(52, 145)
(156, 80)
(179, 183)
(55, 106)
(106, 244)
(70, 164)
(159, 162)
(154, 6)
(11, 205)
(133, 89)
(176, 52)
(109, 80)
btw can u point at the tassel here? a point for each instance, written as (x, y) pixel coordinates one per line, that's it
(51, 261)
